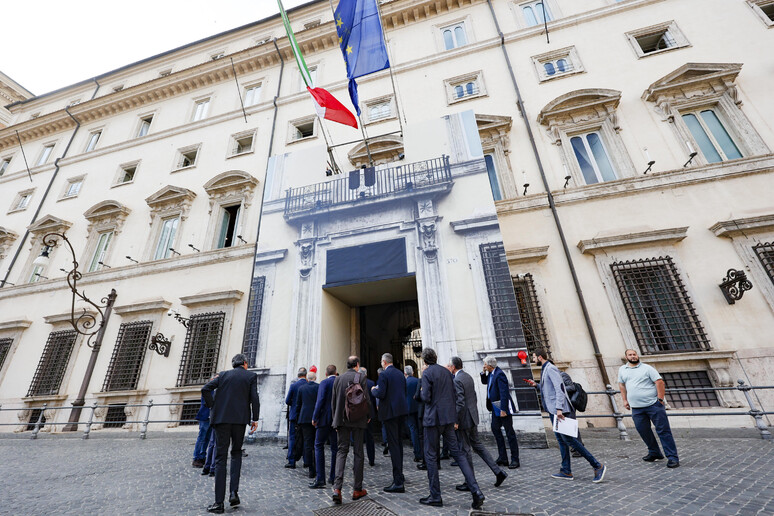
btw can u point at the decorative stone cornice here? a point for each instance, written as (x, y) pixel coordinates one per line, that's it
(6, 238)
(229, 296)
(270, 256)
(121, 394)
(658, 236)
(690, 75)
(106, 209)
(230, 181)
(152, 305)
(67, 317)
(170, 195)
(736, 227)
(687, 356)
(479, 223)
(526, 254)
(384, 149)
(18, 324)
(49, 224)
(578, 107)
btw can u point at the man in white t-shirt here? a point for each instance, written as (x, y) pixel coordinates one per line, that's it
(642, 389)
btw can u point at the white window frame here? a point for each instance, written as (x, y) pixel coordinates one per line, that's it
(37, 273)
(197, 114)
(180, 156)
(583, 135)
(389, 100)
(314, 73)
(45, 154)
(219, 224)
(24, 194)
(93, 140)
(170, 241)
(569, 54)
(256, 95)
(100, 251)
(456, 44)
(122, 170)
(477, 78)
(72, 183)
(757, 7)
(696, 111)
(5, 164)
(670, 26)
(293, 129)
(233, 143)
(142, 120)
(552, 11)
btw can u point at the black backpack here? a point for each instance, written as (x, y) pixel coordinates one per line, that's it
(578, 397)
(356, 402)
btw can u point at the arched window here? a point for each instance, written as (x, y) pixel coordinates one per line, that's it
(562, 65)
(469, 87)
(458, 91)
(529, 16)
(448, 39)
(459, 34)
(549, 68)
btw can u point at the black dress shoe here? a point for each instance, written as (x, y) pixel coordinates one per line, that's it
(290, 465)
(652, 458)
(514, 464)
(417, 459)
(501, 476)
(233, 499)
(444, 456)
(317, 485)
(386, 451)
(285, 447)
(312, 474)
(394, 488)
(429, 501)
(673, 464)
(212, 473)
(217, 508)
(454, 463)
(205, 471)
(462, 487)
(422, 466)
(478, 501)
(501, 462)
(371, 463)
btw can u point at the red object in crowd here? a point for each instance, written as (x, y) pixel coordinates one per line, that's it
(522, 356)
(313, 369)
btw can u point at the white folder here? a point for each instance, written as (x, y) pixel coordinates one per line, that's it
(566, 426)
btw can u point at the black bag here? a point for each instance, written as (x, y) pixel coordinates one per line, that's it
(356, 403)
(577, 396)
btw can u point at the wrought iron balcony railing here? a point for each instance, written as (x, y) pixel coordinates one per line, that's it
(367, 184)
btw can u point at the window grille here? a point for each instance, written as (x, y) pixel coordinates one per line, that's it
(765, 253)
(5, 348)
(686, 380)
(532, 323)
(34, 419)
(128, 355)
(201, 349)
(660, 311)
(188, 414)
(502, 301)
(51, 368)
(116, 417)
(253, 326)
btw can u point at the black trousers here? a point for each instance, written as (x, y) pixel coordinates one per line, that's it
(368, 435)
(394, 427)
(432, 446)
(308, 433)
(228, 434)
(506, 422)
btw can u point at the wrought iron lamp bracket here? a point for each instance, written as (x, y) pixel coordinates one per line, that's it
(160, 344)
(734, 285)
(179, 318)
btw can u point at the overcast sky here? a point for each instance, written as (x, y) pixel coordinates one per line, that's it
(48, 44)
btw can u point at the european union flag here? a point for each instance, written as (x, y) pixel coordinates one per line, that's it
(361, 41)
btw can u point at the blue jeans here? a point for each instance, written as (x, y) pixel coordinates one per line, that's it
(200, 450)
(209, 462)
(413, 423)
(656, 414)
(323, 432)
(565, 442)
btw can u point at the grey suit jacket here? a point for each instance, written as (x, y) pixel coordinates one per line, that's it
(467, 401)
(552, 390)
(339, 397)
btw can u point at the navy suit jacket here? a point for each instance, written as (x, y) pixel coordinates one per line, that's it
(372, 409)
(411, 389)
(497, 390)
(439, 396)
(306, 397)
(323, 412)
(237, 400)
(391, 393)
(290, 399)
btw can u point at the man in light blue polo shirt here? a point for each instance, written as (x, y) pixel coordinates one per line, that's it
(642, 389)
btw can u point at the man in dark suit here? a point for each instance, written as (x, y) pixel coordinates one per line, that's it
(306, 398)
(347, 429)
(390, 390)
(322, 419)
(294, 448)
(440, 419)
(413, 409)
(368, 438)
(230, 412)
(499, 397)
(467, 421)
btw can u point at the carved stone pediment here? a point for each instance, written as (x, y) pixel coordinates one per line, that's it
(107, 214)
(232, 180)
(170, 195)
(384, 149)
(6, 238)
(49, 224)
(494, 129)
(579, 107)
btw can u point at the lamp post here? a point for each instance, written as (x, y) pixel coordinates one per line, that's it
(91, 326)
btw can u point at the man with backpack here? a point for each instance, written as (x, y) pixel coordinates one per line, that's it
(556, 402)
(350, 406)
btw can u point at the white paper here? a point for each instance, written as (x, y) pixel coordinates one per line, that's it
(566, 426)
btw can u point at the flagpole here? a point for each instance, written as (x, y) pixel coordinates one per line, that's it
(365, 140)
(392, 77)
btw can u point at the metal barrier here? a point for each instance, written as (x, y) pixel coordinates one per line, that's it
(755, 413)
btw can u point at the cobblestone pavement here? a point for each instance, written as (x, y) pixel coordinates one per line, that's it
(116, 473)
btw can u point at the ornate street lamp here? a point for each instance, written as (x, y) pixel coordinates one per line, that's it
(90, 325)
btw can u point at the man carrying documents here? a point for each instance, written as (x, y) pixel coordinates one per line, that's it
(565, 426)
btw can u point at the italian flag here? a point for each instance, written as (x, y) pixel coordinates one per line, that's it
(326, 105)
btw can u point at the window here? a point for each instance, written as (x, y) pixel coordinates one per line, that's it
(201, 349)
(656, 39)
(36, 414)
(252, 95)
(253, 325)
(535, 13)
(242, 143)
(5, 348)
(116, 417)
(126, 174)
(99, 253)
(493, 182)
(658, 306)
(73, 187)
(302, 129)
(502, 302)
(51, 368)
(464, 87)
(37, 274)
(688, 380)
(145, 123)
(44, 154)
(229, 221)
(529, 313)
(4, 163)
(187, 157)
(379, 110)
(765, 253)
(469, 88)
(189, 411)
(764, 9)
(312, 75)
(558, 63)
(710, 135)
(166, 238)
(592, 157)
(454, 36)
(201, 107)
(93, 139)
(22, 201)
(128, 355)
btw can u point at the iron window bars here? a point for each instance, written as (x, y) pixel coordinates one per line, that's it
(659, 308)
(128, 355)
(51, 368)
(189, 411)
(34, 416)
(502, 301)
(687, 380)
(201, 349)
(765, 253)
(5, 347)
(253, 325)
(530, 314)
(116, 417)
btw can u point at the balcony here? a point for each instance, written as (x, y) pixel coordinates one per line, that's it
(368, 185)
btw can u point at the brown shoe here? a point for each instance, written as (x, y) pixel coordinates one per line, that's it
(336, 496)
(357, 495)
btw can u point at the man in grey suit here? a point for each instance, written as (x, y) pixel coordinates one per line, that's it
(440, 419)
(467, 421)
